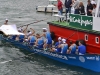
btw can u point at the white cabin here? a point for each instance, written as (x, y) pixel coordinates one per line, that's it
(10, 30)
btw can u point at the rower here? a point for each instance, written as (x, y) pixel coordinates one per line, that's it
(63, 46)
(20, 29)
(39, 41)
(81, 48)
(14, 37)
(72, 48)
(21, 37)
(6, 22)
(31, 38)
(56, 47)
(47, 35)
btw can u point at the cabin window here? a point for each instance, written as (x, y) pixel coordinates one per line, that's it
(86, 37)
(97, 40)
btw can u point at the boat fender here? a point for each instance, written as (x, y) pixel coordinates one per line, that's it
(52, 35)
(45, 9)
(82, 41)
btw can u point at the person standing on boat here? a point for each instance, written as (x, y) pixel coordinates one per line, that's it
(72, 48)
(68, 5)
(39, 41)
(81, 8)
(76, 6)
(47, 35)
(81, 48)
(6, 22)
(89, 8)
(63, 46)
(72, 8)
(93, 2)
(94, 9)
(60, 7)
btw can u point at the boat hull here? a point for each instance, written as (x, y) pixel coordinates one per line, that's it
(72, 34)
(47, 9)
(85, 61)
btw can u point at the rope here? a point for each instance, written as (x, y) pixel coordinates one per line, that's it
(71, 35)
(78, 34)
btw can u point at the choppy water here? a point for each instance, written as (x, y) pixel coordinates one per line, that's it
(21, 12)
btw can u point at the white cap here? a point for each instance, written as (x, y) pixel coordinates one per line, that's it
(44, 28)
(6, 19)
(64, 40)
(19, 30)
(59, 38)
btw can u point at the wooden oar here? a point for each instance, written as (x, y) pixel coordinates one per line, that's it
(32, 23)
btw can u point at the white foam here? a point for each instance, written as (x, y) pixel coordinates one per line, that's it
(5, 62)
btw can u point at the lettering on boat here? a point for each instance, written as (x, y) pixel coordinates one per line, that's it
(97, 58)
(71, 57)
(90, 58)
(85, 22)
(81, 21)
(52, 54)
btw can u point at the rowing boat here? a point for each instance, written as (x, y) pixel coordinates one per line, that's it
(86, 61)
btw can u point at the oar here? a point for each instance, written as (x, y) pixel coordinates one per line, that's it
(32, 23)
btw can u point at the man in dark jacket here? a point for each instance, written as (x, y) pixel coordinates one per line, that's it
(89, 8)
(68, 5)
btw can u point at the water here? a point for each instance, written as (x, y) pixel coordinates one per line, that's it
(22, 12)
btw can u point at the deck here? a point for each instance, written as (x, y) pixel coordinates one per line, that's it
(67, 25)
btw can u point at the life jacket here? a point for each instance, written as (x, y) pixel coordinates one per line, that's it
(21, 38)
(32, 40)
(73, 49)
(14, 37)
(48, 37)
(64, 48)
(40, 42)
